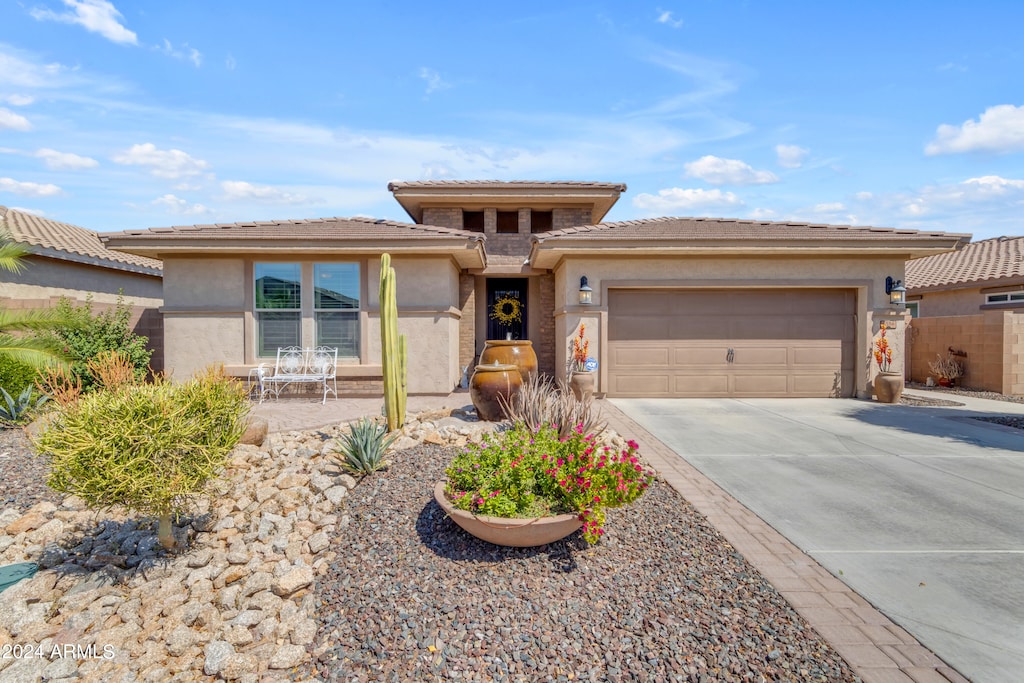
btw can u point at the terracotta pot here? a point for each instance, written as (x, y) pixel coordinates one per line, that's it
(889, 387)
(488, 383)
(945, 382)
(582, 384)
(519, 533)
(518, 352)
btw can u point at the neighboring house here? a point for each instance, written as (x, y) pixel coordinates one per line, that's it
(681, 306)
(971, 300)
(68, 261)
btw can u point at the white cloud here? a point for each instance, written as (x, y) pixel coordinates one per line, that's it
(791, 156)
(676, 198)
(864, 196)
(97, 16)
(8, 119)
(170, 163)
(190, 53)
(763, 214)
(829, 207)
(34, 212)
(433, 79)
(28, 189)
(998, 129)
(240, 190)
(19, 100)
(64, 161)
(230, 63)
(994, 185)
(719, 171)
(665, 17)
(177, 205)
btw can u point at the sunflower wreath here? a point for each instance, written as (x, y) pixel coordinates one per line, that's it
(507, 310)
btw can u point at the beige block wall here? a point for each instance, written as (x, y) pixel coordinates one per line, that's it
(867, 275)
(993, 341)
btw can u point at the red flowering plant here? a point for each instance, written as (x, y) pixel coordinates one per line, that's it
(883, 352)
(519, 473)
(579, 347)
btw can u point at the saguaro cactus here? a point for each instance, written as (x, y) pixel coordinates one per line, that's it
(393, 348)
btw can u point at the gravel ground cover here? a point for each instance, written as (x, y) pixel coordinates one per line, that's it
(23, 475)
(663, 597)
(941, 396)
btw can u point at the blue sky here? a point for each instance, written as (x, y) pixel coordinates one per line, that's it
(118, 115)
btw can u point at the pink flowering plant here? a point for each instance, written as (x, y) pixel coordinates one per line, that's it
(519, 473)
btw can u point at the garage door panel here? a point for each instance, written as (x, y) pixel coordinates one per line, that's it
(707, 384)
(640, 356)
(785, 342)
(641, 385)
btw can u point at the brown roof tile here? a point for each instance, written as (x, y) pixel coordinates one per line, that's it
(311, 228)
(70, 242)
(732, 229)
(993, 259)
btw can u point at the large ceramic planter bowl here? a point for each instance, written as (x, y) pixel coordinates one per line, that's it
(518, 352)
(518, 533)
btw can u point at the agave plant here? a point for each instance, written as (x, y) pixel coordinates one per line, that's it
(18, 410)
(361, 450)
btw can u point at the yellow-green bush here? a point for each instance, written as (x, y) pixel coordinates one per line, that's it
(145, 447)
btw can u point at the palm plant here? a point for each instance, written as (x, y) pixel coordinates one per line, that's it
(21, 332)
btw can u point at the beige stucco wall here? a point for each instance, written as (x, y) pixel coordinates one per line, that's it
(208, 314)
(953, 302)
(866, 275)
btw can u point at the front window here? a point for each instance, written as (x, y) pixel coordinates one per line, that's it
(915, 308)
(1006, 297)
(330, 291)
(336, 306)
(278, 307)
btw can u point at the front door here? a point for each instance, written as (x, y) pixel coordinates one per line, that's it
(506, 308)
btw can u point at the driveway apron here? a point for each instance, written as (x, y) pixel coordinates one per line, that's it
(920, 510)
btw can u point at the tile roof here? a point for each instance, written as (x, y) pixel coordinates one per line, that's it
(732, 229)
(512, 184)
(993, 259)
(311, 228)
(69, 242)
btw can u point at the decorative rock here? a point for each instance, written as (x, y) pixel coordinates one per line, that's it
(216, 656)
(180, 640)
(320, 482)
(287, 656)
(318, 542)
(27, 522)
(292, 581)
(348, 481)
(200, 559)
(336, 494)
(255, 432)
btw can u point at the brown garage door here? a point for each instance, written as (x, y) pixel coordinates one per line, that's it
(734, 343)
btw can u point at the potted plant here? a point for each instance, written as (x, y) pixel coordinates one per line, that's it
(947, 370)
(888, 383)
(581, 380)
(526, 487)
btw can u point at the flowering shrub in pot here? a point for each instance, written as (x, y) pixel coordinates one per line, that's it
(521, 473)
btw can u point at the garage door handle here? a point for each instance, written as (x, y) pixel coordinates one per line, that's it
(729, 356)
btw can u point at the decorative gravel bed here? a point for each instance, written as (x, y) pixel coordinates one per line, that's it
(23, 475)
(663, 597)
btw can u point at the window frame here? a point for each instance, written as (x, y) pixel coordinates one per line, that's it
(308, 328)
(257, 310)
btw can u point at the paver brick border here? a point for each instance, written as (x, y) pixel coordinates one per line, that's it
(877, 649)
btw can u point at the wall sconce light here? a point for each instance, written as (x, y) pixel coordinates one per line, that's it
(896, 291)
(586, 293)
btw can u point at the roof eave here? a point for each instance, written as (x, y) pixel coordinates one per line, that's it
(546, 253)
(72, 257)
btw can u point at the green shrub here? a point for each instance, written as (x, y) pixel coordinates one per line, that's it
(145, 447)
(522, 473)
(361, 450)
(16, 375)
(85, 336)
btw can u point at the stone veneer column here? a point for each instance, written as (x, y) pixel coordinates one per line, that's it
(544, 345)
(490, 222)
(467, 323)
(525, 221)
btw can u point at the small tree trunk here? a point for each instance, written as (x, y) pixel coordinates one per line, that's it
(165, 533)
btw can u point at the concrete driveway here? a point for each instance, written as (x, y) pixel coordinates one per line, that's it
(918, 509)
